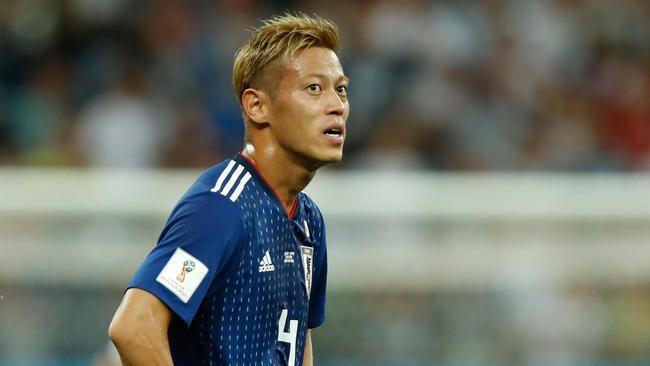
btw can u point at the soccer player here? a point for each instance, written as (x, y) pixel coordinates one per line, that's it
(239, 272)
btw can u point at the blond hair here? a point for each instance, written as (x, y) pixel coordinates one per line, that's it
(277, 38)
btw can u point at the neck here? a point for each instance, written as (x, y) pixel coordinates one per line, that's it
(286, 175)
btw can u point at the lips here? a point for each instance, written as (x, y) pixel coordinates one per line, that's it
(335, 131)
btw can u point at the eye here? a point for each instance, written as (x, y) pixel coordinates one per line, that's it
(315, 88)
(342, 89)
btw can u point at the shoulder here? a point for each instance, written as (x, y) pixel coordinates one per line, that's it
(216, 178)
(214, 194)
(310, 207)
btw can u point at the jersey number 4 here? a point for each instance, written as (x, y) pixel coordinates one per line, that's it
(288, 337)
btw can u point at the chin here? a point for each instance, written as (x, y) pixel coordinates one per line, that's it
(332, 158)
(320, 160)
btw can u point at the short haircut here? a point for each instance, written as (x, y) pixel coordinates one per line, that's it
(278, 37)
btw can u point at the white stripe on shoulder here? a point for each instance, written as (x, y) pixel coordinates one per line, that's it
(232, 180)
(223, 176)
(240, 187)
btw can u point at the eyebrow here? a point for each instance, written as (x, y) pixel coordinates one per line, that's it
(323, 76)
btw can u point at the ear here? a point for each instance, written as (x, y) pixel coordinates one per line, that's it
(256, 105)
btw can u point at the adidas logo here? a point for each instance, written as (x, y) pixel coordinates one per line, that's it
(265, 264)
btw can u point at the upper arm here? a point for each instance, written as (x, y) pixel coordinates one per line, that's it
(139, 330)
(142, 311)
(198, 241)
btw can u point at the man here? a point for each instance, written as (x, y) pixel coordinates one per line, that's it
(238, 275)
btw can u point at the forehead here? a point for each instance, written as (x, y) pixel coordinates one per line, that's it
(314, 60)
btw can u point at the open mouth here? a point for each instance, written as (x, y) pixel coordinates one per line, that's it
(334, 132)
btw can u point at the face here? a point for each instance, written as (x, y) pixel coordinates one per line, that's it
(310, 107)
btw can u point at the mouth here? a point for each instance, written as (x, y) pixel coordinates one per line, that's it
(335, 132)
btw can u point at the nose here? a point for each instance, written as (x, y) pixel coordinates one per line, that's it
(335, 103)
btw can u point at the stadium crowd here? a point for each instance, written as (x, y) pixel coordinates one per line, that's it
(443, 85)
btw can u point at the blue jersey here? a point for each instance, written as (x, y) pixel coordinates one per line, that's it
(245, 277)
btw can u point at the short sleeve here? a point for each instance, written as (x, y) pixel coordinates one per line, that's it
(194, 248)
(319, 286)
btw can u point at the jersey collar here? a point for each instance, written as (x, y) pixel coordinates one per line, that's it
(252, 168)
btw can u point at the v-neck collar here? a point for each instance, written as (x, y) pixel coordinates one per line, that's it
(252, 168)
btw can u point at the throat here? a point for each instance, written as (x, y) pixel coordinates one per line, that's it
(285, 178)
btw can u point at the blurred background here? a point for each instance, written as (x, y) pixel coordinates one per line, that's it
(509, 141)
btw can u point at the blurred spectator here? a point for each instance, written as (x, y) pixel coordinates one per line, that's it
(37, 115)
(123, 127)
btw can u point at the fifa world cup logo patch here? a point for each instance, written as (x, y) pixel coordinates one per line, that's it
(188, 266)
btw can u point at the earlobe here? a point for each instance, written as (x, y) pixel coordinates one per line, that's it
(254, 105)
